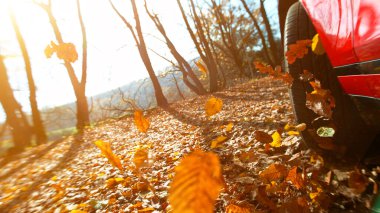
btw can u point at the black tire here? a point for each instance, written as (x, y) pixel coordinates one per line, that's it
(352, 136)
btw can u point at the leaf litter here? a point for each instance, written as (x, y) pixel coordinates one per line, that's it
(255, 165)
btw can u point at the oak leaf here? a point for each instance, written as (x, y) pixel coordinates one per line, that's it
(196, 184)
(297, 50)
(141, 122)
(105, 148)
(274, 172)
(213, 106)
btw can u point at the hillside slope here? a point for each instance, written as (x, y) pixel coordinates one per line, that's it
(71, 174)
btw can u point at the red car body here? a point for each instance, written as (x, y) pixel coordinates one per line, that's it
(350, 33)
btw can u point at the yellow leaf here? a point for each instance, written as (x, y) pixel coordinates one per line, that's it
(274, 172)
(196, 184)
(293, 133)
(54, 178)
(314, 195)
(148, 209)
(140, 156)
(77, 211)
(229, 127)
(301, 127)
(67, 52)
(141, 122)
(213, 106)
(317, 46)
(201, 67)
(276, 142)
(218, 141)
(106, 150)
(231, 208)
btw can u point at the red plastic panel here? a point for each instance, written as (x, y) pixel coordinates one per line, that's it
(366, 16)
(364, 85)
(333, 21)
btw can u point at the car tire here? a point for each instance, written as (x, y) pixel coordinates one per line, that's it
(352, 136)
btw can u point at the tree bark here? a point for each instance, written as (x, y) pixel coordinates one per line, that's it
(260, 32)
(272, 43)
(20, 128)
(38, 126)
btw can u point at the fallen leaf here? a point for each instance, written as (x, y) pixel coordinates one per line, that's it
(317, 46)
(140, 156)
(274, 172)
(105, 148)
(262, 197)
(231, 208)
(218, 141)
(141, 122)
(358, 182)
(196, 184)
(229, 127)
(295, 178)
(276, 140)
(213, 106)
(263, 137)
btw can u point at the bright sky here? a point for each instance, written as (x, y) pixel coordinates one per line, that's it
(113, 59)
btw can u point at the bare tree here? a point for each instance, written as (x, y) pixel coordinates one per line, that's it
(140, 42)
(16, 119)
(259, 31)
(195, 85)
(202, 45)
(38, 126)
(82, 114)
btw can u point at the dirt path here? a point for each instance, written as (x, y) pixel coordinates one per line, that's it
(72, 175)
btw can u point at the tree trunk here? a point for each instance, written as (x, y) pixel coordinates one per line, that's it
(78, 86)
(38, 126)
(183, 65)
(21, 131)
(260, 32)
(203, 47)
(272, 43)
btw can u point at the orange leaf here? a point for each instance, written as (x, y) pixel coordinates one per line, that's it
(140, 156)
(295, 178)
(141, 122)
(217, 142)
(297, 50)
(196, 184)
(274, 172)
(262, 197)
(213, 106)
(107, 152)
(231, 208)
(201, 67)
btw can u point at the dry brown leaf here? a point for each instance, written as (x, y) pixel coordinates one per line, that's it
(141, 122)
(263, 137)
(213, 106)
(274, 172)
(358, 182)
(105, 147)
(262, 197)
(196, 184)
(295, 178)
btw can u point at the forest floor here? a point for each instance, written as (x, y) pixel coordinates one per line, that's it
(71, 175)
